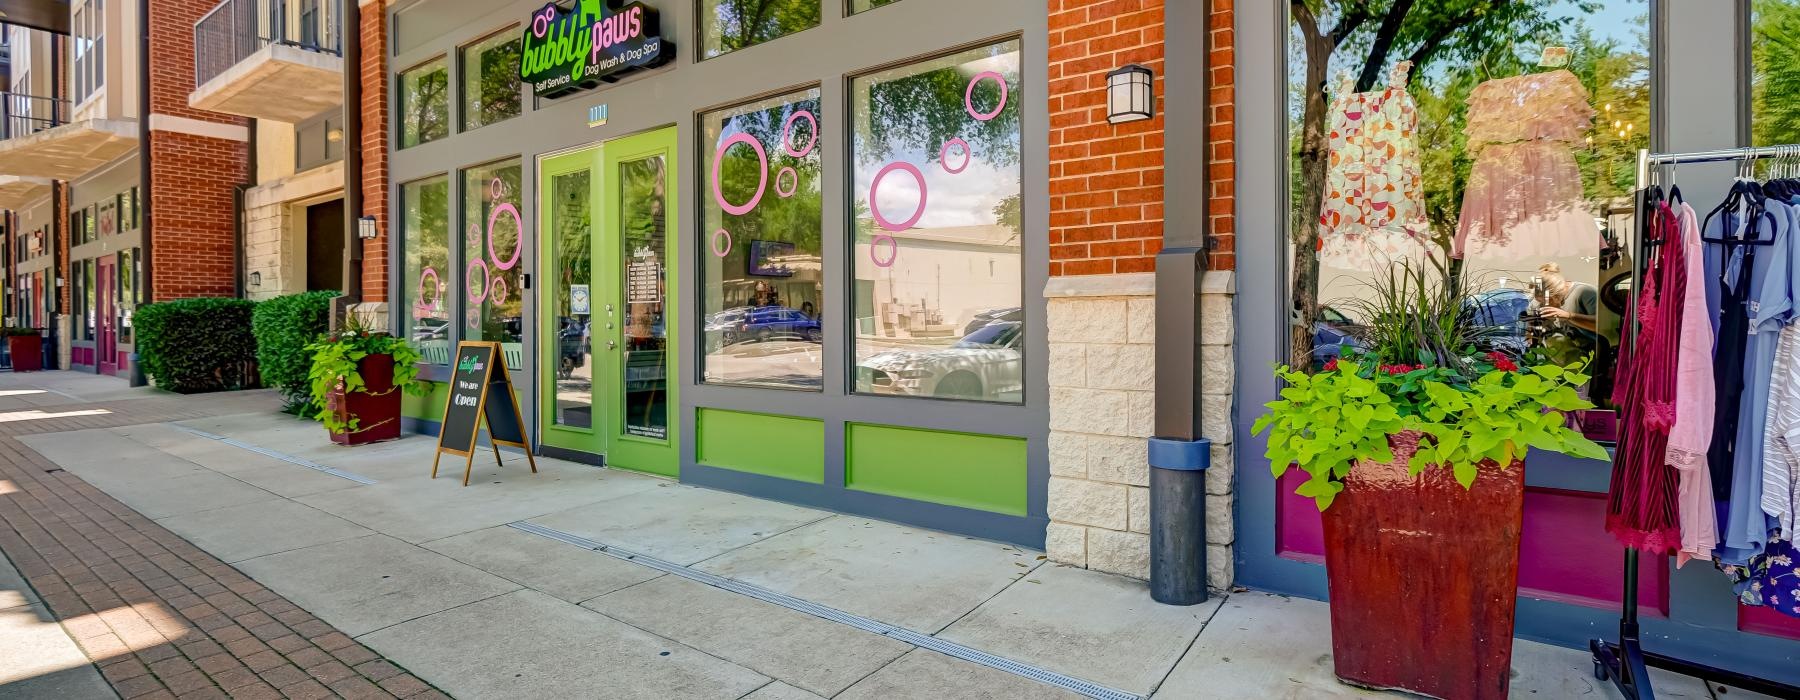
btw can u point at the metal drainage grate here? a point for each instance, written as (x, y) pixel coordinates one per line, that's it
(290, 459)
(918, 639)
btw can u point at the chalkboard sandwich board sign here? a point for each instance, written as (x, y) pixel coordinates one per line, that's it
(478, 380)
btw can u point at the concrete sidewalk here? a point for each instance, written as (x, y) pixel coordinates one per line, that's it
(480, 592)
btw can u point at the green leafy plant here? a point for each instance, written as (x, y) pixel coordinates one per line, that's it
(197, 345)
(1432, 368)
(285, 327)
(336, 366)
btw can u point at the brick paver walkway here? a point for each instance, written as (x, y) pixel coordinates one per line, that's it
(157, 615)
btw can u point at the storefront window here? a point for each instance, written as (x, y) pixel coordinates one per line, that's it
(1775, 77)
(109, 217)
(729, 25)
(425, 103)
(126, 293)
(937, 309)
(493, 247)
(860, 5)
(764, 278)
(1502, 144)
(570, 196)
(425, 272)
(490, 75)
(85, 296)
(643, 236)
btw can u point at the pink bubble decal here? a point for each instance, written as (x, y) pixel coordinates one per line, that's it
(428, 273)
(944, 155)
(540, 22)
(893, 250)
(875, 189)
(478, 292)
(497, 293)
(715, 243)
(762, 180)
(518, 238)
(969, 95)
(787, 134)
(422, 307)
(793, 182)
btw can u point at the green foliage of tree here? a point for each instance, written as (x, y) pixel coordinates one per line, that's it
(729, 25)
(1775, 77)
(795, 219)
(424, 104)
(492, 92)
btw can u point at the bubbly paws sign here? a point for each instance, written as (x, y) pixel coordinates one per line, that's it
(574, 49)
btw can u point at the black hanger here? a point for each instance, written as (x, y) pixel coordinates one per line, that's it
(1743, 191)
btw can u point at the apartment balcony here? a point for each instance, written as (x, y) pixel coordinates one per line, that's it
(17, 192)
(37, 140)
(269, 59)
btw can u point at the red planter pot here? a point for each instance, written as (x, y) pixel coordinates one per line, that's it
(27, 352)
(377, 406)
(1423, 577)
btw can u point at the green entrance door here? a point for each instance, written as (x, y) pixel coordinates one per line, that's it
(608, 217)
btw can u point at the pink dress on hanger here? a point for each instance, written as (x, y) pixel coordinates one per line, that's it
(1694, 397)
(1373, 211)
(1524, 200)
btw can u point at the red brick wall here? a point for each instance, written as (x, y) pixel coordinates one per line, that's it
(192, 234)
(1106, 196)
(1222, 144)
(375, 147)
(192, 231)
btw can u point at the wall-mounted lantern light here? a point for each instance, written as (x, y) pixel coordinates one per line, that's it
(256, 280)
(365, 228)
(1129, 94)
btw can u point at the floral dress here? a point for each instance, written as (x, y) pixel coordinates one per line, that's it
(1770, 579)
(1373, 210)
(1524, 197)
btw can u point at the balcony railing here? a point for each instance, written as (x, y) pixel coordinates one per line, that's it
(236, 29)
(24, 115)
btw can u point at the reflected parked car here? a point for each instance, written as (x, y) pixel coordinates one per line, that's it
(572, 346)
(992, 315)
(1333, 333)
(772, 322)
(982, 365)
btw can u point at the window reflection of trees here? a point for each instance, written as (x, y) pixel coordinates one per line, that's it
(1775, 72)
(729, 25)
(765, 292)
(1455, 46)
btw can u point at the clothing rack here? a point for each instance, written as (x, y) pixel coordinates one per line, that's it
(1625, 662)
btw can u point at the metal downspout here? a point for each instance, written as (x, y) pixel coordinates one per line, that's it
(1179, 455)
(350, 37)
(146, 291)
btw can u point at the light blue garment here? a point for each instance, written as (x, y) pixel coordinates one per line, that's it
(1772, 298)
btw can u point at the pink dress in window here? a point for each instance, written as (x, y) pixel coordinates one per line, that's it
(1524, 200)
(1374, 205)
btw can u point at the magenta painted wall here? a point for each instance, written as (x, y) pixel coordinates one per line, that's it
(1565, 554)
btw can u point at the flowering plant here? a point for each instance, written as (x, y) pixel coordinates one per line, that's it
(1432, 369)
(336, 365)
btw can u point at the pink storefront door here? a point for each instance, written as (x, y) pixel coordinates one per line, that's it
(106, 340)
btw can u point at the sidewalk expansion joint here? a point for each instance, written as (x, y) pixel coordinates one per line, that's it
(266, 452)
(915, 638)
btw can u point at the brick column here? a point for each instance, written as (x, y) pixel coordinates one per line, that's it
(1106, 226)
(197, 159)
(375, 147)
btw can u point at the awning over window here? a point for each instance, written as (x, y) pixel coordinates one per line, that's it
(45, 15)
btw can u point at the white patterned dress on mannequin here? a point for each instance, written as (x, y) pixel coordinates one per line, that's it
(1373, 211)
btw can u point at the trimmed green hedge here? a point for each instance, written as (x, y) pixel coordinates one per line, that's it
(191, 346)
(283, 327)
